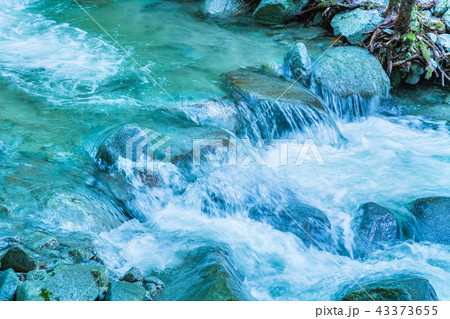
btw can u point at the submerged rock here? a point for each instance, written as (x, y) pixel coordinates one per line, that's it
(277, 11)
(269, 106)
(308, 223)
(221, 8)
(8, 285)
(298, 60)
(376, 225)
(125, 291)
(132, 275)
(17, 259)
(395, 289)
(433, 218)
(355, 24)
(65, 283)
(350, 80)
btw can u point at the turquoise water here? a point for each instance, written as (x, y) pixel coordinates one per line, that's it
(65, 85)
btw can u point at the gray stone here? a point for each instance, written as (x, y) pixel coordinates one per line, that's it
(277, 11)
(132, 275)
(446, 18)
(83, 253)
(260, 100)
(222, 8)
(375, 225)
(65, 283)
(17, 259)
(347, 71)
(116, 147)
(154, 280)
(308, 223)
(37, 274)
(441, 7)
(444, 41)
(125, 291)
(354, 24)
(297, 58)
(8, 285)
(394, 289)
(432, 36)
(433, 218)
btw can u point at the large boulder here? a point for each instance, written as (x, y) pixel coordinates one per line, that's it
(433, 218)
(350, 80)
(65, 283)
(18, 259)
(395, 289)
(125, 291)
(205, 274)
(308, 223)
(8, 285)
(222, 8)
(272, 105)
(277, 11)
(375, 225)
(355, 24)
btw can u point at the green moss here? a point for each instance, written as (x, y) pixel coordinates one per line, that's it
(45, 294)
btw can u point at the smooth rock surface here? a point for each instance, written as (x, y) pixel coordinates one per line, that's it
(17, 259)
(395, 289)
(354, 24)
(222, 8)
(132, 275)
(347, 71)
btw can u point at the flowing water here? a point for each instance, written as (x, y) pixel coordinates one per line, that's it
(65, 86)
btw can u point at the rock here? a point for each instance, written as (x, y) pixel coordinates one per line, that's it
(205, 274)
(298, 60)
(65, 283)
(444, 41)
(222, 8)
(308, 223)
(375, 225)
(154, 280)
(426, 13)
(441, 7)
(354, 24)
(80, 254)
(395, 289)
(125, 291)
(41, 240)
(132, 275)
(17, 259)
(433, 218)
(432, 36)
(260, 101)
(8, 285)
(350, 79)
(116, 147)
(277, 11)
(415, 74)
(434, 24)
(446, 18)
(36, 274)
